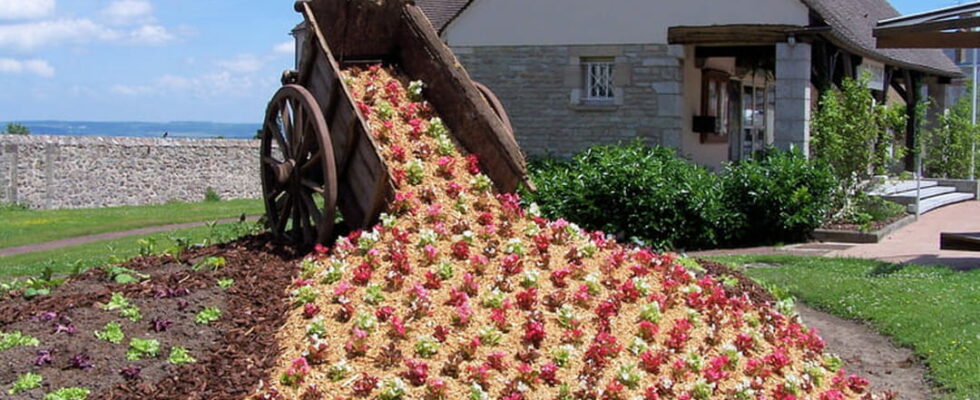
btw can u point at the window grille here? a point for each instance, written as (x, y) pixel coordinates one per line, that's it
(598, 80)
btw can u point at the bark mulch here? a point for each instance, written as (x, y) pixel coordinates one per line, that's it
(233, 354)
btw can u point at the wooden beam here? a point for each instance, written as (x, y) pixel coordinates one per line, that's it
(913, 82)
(929, 40)
(958, 23)
(740, 34)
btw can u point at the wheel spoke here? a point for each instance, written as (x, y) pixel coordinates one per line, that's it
(299, 130)
(311, 206)
(312, 186)
(314, 161)
(275, 133)
(287, 124)
(284, 210)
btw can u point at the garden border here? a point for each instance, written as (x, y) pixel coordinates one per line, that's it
(840, 236)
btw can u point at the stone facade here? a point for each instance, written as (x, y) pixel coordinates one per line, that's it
(540, 87)
(49, 172)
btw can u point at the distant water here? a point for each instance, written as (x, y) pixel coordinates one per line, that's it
(179, 129)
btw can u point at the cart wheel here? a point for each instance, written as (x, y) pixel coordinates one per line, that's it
(496, 105)
(298, 168)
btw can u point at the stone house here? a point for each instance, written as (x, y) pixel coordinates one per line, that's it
(714, 79)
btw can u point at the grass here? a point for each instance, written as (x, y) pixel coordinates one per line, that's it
(65, 260)
(934, 311)
(20, 227)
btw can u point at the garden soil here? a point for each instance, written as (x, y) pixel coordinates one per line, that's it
(233, 354)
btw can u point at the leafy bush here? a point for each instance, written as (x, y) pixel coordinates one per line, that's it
(780, 197)
(210, 195)
(855, 136)
(949, 144)
(650, 194)
(635, 191)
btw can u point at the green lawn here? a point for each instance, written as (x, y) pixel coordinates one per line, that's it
(63, 260)
(934, 311)
(20, 227)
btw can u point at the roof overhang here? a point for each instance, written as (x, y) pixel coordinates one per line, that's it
(950, 27)
(736, 35)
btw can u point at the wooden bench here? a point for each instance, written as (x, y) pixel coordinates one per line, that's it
(959, 241)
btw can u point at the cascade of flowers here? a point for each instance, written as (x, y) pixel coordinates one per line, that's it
(460, 293)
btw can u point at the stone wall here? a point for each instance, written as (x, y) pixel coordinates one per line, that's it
(540, 86)
(50, 172)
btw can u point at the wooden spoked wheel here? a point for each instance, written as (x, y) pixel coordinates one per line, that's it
(496, 105)
(299, 177)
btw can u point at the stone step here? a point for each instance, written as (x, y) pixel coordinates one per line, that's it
(908, 197)
(935, 202)
(900, 186)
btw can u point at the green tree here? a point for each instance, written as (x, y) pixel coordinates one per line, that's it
(14, 128)
(949, 143)
(857, 138)
(853, 134)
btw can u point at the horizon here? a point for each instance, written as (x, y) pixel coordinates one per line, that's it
(156, 61)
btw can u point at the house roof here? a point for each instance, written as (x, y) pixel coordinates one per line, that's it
(851, 22)
(442, 12)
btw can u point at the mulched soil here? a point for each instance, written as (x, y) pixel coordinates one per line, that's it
(233, 354)
(753, 289)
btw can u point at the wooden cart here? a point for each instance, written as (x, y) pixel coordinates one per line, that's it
(317, 152)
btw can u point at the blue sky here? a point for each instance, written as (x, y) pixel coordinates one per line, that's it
(155, 60)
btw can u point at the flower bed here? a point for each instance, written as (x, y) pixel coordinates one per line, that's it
(461, 293)
(132, 331)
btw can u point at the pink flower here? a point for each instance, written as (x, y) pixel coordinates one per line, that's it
(527, 299)
(496, 360)
(310, 310)
(473, 164)
(534, 333)
(431, 252)
(342, 289)
(418, 372)
(548, 374)
(648, 330)
(320, 249)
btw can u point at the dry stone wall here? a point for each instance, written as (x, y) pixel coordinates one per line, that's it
(49, 172)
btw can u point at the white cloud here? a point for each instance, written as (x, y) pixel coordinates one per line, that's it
(24, 9)
(129, 12)
(35, 66)
(150, 34)
(31, 35)
(244, 63)
(127, 90)
(287, 47)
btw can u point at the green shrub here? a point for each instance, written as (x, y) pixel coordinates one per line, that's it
(780, 197)
(948, 145)
(634, 191)
(211, 196)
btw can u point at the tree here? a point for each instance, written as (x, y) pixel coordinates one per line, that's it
(949, 143)
(14, 128)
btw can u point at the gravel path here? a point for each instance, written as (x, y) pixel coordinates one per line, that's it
(871, 355)
(30, 248)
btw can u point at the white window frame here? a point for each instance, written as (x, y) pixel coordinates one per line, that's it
(599, 82)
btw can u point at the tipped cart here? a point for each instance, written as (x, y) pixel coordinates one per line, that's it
(317, 153)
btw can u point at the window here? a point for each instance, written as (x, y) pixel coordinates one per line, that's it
(598, 74)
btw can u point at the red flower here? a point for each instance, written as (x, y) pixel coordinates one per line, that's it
(453, 190)
(512, 264)
(432, 281)
(527, 299)
(364, 386)
(648, 330)
(534, 333)
(548, 372)
(832, 394)
(398, 153)
(857, 384)
(558, 277)
(310, 310)
(320, 249)
(384, 313)
(441, 332)
(651, 361)
(497, 360)
(461, 250)
(418, 372)
(744, 343)
(473, 164)
(362, 274)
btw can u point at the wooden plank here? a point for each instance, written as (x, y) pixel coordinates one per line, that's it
(460, 104)
(926, 40)
(730, 34)
(959, 241)
(357, 28)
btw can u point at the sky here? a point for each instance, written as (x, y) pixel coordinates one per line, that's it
(156, 60)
